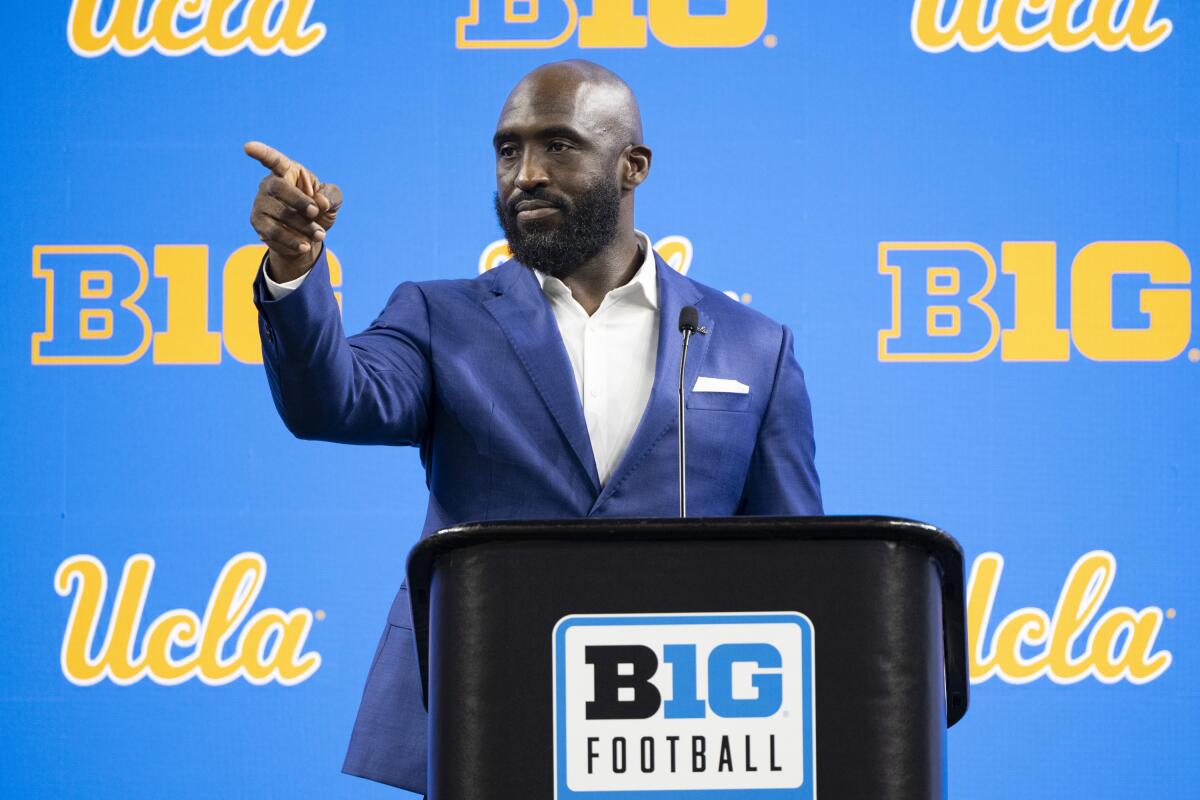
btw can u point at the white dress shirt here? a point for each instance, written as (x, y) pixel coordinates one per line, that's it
(612, 352)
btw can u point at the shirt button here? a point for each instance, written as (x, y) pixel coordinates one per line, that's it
(595, 392)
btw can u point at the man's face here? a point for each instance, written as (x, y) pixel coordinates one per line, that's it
(557, 198)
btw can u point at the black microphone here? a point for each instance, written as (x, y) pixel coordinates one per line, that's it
(689, 323)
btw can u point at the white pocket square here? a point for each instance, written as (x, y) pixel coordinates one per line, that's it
(720, 385)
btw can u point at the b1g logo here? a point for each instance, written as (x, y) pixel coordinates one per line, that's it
(1127, 301)
(539, 24)
(698, 705)
(95, 312)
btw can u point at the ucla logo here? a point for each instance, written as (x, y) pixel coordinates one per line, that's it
(1129, 301)
(179, 27)
(1020, 25)
(540, 24)
(1074, 641)
(179, 644)
(676, 251)
(684, 703)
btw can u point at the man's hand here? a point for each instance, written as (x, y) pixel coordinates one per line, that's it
(291, 213)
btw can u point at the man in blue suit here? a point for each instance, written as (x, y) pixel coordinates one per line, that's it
(545, 388)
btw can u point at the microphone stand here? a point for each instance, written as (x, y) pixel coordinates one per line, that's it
(688, 324)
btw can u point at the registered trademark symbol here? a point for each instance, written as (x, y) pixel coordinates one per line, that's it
(1194, 355)
(770, 40)
(1171, 611)
(319, 614)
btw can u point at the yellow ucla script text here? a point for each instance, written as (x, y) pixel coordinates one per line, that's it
(179, 27)
(675, 250)
(269, 647)
(93, 314)
(1025, 24)
(939, 310)
(538, 24)
(1119, 644)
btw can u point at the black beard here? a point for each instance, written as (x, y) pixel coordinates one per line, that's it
(588, 226)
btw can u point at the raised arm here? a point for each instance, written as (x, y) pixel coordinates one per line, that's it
(371, 388)
(292, 212)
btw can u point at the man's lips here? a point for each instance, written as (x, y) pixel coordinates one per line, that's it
(534, 209)
(536, 213)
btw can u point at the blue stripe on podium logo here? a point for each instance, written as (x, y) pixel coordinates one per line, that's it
(702, 706)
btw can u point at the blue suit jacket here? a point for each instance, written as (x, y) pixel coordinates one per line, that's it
(475, 374)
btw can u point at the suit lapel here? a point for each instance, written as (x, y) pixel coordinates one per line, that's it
(524, 315)
(661, 414)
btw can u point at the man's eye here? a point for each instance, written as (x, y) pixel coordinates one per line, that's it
(507, 151)
(558, 147)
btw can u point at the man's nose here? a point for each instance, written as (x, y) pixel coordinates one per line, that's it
(532, 173)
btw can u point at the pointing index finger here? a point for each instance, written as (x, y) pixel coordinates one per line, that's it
(269, 157)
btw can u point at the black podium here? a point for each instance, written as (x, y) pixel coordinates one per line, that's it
(701, 658)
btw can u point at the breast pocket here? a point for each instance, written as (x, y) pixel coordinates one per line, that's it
(719, 401)
(721, 432)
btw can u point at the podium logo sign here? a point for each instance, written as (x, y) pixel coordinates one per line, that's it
(699, 705)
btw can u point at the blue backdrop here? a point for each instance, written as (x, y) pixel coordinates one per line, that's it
(853, 170)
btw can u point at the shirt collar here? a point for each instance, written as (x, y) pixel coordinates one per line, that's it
(643, 284)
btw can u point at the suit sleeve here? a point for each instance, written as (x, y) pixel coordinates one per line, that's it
(371, 388)
(782, 479)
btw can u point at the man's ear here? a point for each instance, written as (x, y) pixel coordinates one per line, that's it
(635, 165)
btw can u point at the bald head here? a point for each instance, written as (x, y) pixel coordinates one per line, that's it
(569, 155)
(593, 97)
